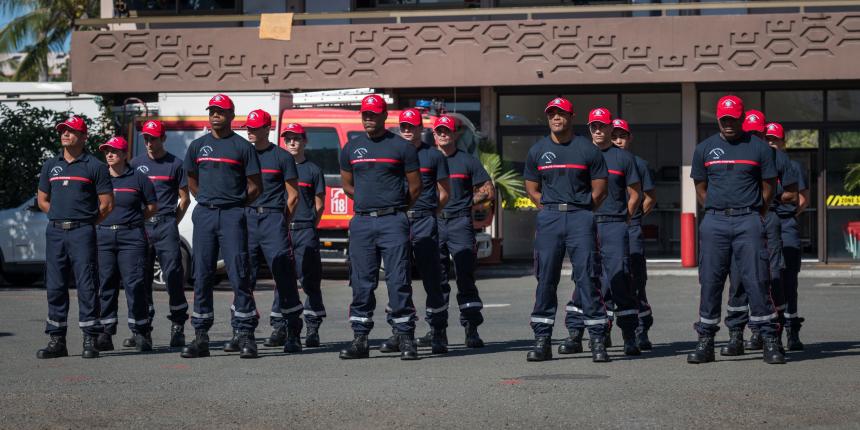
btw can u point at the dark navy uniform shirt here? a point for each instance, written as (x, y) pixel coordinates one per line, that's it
(622, 173)
(565, 170)
(132, 191)
(277, 166)
(646, 181)
(464, 173)
(733, 170)
(434, 168)
(167, 176)
(786, 176)
(311, 184)
(222, 167)
(74, 187)
(379, 168)
(790, 209)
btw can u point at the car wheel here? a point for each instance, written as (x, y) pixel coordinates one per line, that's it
(158, 281)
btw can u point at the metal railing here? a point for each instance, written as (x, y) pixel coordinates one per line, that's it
(528, 12)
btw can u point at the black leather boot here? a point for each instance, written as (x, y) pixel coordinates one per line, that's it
(598, 350)
(357, 349)
(630, 347)
(755, 342)
(129, 342)
(248, 344)
(704, 352)
(426, 340)
(771, 353)
(312, 337)
(177, 335)
(392, 344)
(143, 342)
(199, 347)
(642, 340)
(233, 344)
(439, 341)
(104, 342)
(408, 348)
(542, 350)
(56, 348)
(89, 347)
(572, 344)
(792, 338)
(735, 346)
(293, 344)
(277, 338)
(473, 339)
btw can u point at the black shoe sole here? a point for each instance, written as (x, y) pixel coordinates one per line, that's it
(248, 355)
(534, 358)
(228, 348)
(388, 350)
(632, 352)
(600, 359)
(353, 357)
(90, 354)
(312, 344)
(42, 356)
(197, 355)
(104, 348)
(179, 342)
(410, 357)
(570, 351)
(294, 350)
(268, 344)
(698, 361)
(725, 353)
(645, 346)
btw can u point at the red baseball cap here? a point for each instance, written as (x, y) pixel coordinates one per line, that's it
(373, 103)
(411, 116)
(753, 121)
(600, 115)
(293, 128)
(731, 106)
(220, 101)
(561, 103)
(620, 123)
(445, 121)
(116, 142)
(258, 118)
(775, 129)
(73, 123)
(153, 128)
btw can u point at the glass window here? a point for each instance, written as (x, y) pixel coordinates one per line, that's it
(843, 196)
(785, 106)
(708, 103)
(801, 139)
(844, 139)
(655, 108)
(528, 109)
(323, 148)
(843, 105)
(516, 148)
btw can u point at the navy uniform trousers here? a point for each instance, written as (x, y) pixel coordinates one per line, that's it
(164, 244)
(424, 230)
(121, 256)
(308, 263)
(737, 310)
(791, 258)
(224, 229)
(457, 243)
(372, 238)
(639, 274)
(573, 232)
(736, 239)
(71, 253)
(269, 239)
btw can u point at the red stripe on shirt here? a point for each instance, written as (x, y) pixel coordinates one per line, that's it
(272, 171)
(459, 176)
(160, 178)
(616, 172)
(375, 160)
(749, 162)
(426, 170)
(124, 190)
(305, 184)
(562, 166)
(71, 178)
(218, 160)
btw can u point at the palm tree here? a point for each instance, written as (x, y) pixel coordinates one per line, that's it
(39, 27)
(852, 178)
(506, 180)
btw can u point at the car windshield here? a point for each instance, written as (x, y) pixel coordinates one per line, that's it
(323, 148)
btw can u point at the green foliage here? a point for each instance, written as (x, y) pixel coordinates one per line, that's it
(29, 138)
(852, 178)
(507, 181)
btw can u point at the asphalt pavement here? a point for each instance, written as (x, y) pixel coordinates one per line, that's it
(493, 387)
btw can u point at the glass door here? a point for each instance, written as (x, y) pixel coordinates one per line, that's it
(842, 196)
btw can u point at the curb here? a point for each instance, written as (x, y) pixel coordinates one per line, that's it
(685, 272)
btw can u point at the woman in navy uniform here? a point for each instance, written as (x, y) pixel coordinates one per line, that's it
(122, 248)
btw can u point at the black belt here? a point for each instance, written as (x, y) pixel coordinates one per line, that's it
(458, 214)
(732, 212)
(130, 226)
(262, 210)
(301, 225)
(224, 206)
(69, 225)
(565, 207)
(610, 218)
(379, 212)
(158, 219)
(418, 214)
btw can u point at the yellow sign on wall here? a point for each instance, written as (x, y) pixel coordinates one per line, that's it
(842, 201)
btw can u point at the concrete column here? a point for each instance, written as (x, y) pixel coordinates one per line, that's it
(489, 121)
(689, 140)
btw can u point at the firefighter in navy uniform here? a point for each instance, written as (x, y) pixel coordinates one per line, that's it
(622, 138)
(373, 168)
(167, 175)
(75, 191)
(737, 309)
(122, 249)
(565, 177)
(470, 185)
(224, 176)
(735, 177)
(788, 213)
(303, 230)
(268, 220)
(425, 232)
